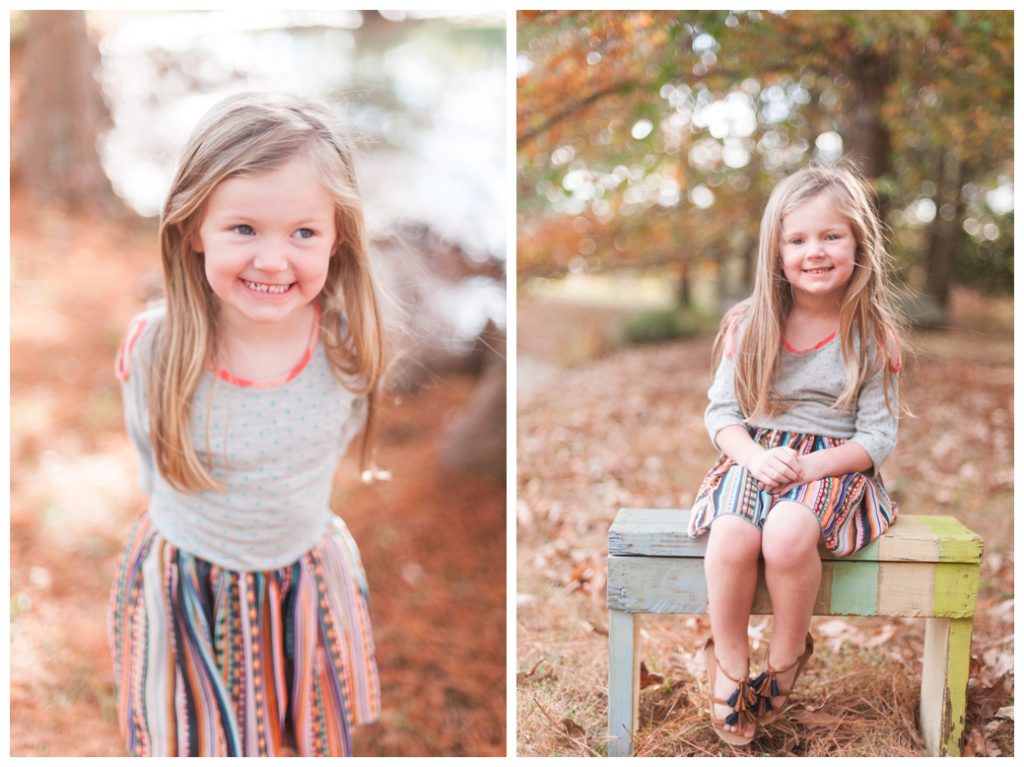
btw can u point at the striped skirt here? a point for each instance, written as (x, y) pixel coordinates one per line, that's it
(215, 662)
(852, 509)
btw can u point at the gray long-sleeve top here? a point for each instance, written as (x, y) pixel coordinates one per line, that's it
(811, 381)
(275, 449)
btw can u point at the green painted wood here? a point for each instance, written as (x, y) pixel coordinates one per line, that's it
(907, 589)
(956, 590)
(855, 591)
(915, 538)
(957, 543)
(944, 673)
(957, 673)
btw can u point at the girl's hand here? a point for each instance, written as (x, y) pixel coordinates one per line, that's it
(810, 470)
(778, 467)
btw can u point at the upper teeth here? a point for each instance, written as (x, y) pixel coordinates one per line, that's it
(263, 288)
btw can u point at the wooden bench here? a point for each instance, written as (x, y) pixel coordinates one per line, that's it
(923, 567)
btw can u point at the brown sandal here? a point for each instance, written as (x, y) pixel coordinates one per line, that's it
(743, 702)
(766, 685)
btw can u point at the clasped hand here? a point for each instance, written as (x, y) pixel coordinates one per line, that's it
(778, 470)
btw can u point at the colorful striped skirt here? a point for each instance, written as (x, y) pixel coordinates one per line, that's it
(215, 662)
(852, 509)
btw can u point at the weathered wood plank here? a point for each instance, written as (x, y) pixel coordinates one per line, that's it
(623, 681)
(915, 538)
(676, 585)
(944, 673)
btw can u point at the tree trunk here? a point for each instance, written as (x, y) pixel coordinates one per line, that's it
(683, 293)
(475, 443)
(867, 138)
(945, 233)
(55, 156)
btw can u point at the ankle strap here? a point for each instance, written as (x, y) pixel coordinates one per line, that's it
(808, 644)
(735, 680)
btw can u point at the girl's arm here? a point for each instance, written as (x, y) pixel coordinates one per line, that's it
(871, 444)
(726, 424)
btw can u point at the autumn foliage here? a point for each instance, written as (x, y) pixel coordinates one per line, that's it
(647, 137)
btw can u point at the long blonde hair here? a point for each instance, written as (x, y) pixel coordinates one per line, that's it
(868, 308)
(254, 133)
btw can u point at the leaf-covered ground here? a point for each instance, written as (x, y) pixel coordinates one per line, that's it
(626, 430)
(433, 545)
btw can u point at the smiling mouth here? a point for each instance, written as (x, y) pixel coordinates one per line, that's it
(818, 270)
(263, 287)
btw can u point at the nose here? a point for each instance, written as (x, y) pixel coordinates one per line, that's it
(271, 259)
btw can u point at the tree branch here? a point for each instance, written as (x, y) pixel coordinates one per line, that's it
(571, 108)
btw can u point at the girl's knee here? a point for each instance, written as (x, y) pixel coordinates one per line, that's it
(732, 542)
(791, 534)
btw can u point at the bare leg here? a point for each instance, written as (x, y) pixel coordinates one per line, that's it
(730, 569)
(792, 569)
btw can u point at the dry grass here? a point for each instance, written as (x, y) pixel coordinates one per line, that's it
(852, 702)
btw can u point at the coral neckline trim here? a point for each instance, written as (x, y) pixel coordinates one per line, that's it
(282, 379)
(817, 346)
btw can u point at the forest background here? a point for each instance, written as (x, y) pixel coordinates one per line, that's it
(647, 145)
(101, 104)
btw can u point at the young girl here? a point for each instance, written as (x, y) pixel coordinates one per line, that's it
(239, 619)
(804, 409)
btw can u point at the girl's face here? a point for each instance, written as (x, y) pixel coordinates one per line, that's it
(818, 250)
(267, 238)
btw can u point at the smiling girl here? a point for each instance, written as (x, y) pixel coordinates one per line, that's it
(804, 410)
(239, 618)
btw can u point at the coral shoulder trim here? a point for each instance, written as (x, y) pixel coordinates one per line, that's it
(122, 363)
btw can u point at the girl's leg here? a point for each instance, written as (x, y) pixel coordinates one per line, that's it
(792, 570)
(730, 570)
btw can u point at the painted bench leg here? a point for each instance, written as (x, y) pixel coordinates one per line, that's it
(623, 681)
(947, 655)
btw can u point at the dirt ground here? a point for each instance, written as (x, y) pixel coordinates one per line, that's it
(626, 430)
(433, 545)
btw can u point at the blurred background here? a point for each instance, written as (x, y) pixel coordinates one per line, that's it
(101, 104)
(647, 146)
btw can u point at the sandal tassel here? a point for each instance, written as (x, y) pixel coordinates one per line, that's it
(766, 679)
(766, 684)
(744, 703)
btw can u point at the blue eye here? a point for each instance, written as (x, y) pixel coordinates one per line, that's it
(305, 233)
(243, 229)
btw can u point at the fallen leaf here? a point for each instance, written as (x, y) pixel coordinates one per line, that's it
(590, 627)
(581, 574)
(572, 729)
(647, 679)
(522, 677)
(815, 718)
(883, 636)
(975, 744)
(998, 662)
